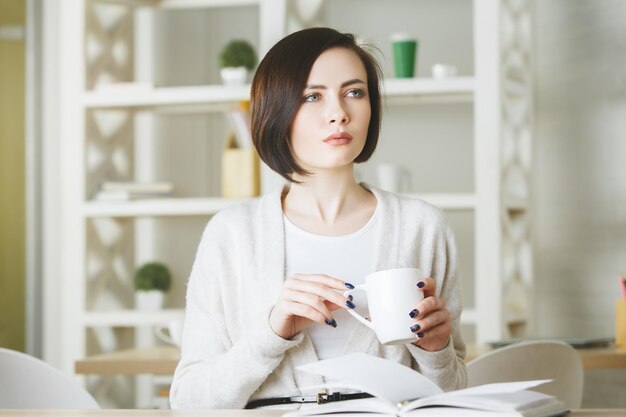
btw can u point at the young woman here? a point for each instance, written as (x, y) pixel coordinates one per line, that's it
(265, 292)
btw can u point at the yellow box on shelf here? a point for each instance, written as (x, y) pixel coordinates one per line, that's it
(241, 167)
(240, 171)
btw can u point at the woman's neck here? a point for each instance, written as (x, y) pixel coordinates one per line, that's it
(328, 203)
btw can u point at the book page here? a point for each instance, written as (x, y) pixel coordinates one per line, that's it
(510, 401)
(387, 380)
(548, 409)
(499, 388)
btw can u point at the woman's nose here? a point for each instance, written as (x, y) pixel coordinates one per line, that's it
(341, 119)
(337, 115)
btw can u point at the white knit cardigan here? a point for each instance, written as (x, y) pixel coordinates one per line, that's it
(230, 355)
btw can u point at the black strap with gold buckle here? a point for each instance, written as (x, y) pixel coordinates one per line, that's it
(322, 397)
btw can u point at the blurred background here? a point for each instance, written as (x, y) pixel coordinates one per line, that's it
(119, 139)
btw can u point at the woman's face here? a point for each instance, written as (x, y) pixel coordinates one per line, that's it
(330, 128)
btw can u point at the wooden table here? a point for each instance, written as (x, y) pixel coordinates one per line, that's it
(604, 358)
(223, 413)
(163, 360)
(154, 360)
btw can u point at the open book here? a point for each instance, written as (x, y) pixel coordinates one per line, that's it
(400, 391)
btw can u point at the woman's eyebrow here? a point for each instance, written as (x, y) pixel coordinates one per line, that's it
(345, 83)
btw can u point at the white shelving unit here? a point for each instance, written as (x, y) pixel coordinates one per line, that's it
(165, 96)
(158, 207)
(130, 318)
(498, 91)
(454, 89)
(210, 206)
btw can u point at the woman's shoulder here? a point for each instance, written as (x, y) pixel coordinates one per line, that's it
(404, 206)
(243, 213)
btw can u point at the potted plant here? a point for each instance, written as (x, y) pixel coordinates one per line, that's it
(236, 60)
(152, 280)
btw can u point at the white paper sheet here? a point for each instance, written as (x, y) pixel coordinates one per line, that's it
(387, 380)
(501, 388)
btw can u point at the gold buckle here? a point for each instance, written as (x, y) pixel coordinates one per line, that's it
(322, 396)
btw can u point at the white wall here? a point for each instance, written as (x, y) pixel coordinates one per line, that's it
(580, 174)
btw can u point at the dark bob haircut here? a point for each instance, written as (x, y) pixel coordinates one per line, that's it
(277, 90)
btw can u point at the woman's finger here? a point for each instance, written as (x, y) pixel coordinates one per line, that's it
(310, 300)
(428, 305)
(317, 287)
(306, 311)
(428, 286)
(326, 280)
(434, 339)
(431, 321)
(334, 307)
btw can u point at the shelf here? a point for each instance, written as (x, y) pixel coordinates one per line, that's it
(215, 97)
(158, 207)
(183, 4)
(131, 318)
(165, 96)
(198, 4)
(456, 89)
(454, 201)
(211, 205)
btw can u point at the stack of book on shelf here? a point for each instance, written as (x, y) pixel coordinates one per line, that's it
(129, 190)
(239, 117)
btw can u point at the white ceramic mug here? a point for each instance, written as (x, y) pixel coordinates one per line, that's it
(393, 178)
(441, 71)
(171, 333)
(391, 295)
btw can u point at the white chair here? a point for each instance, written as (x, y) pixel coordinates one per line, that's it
(533, 360)
(28, 382)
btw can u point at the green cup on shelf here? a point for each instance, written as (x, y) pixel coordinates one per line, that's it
(404, 49)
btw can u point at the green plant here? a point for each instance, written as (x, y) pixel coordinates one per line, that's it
(153, 276)
(238, 53)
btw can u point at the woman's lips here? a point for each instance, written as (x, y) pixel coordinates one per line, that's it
(342, 138)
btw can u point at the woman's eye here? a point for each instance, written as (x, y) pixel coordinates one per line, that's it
(356, 92)
(311, 97)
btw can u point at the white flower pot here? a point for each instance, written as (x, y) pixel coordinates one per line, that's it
(149, 300)
(234, 75)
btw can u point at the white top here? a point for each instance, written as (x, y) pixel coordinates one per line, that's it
(229, 353)
(349, 258)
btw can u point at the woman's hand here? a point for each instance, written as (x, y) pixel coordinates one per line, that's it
(432, 319)
(306, 299)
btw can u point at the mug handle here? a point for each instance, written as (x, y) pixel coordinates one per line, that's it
(354, 313)
(160, 333)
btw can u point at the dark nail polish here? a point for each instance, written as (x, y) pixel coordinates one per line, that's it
(414, 313)
(334, 323)
(349, 286)
(350, 304)
(420, 335)
(420, 284)
(329, 322)
(350, 298)
(415, 328)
